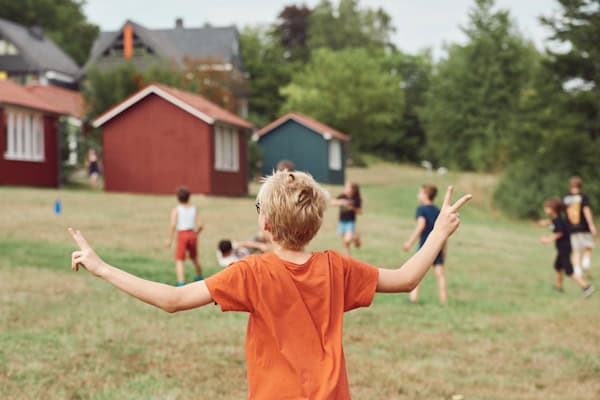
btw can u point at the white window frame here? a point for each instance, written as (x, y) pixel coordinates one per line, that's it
(227, 148)
(24, 135)
(335, 155)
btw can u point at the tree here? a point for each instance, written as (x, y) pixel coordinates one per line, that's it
(352, 91)
(291, 30)
(473, 102)
(415, 72)
(268, 70)
(577, 25)
(63, 20)
(348, 26)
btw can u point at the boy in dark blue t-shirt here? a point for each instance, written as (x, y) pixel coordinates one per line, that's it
(561, 237)
(426, 215)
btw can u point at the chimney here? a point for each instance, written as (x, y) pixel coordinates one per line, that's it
(179, 23)
(128, 41)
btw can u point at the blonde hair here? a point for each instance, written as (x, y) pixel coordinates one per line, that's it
(292, 204)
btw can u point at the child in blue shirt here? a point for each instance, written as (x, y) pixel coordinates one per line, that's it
(426, 215)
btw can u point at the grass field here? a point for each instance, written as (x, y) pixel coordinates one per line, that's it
(504, 335)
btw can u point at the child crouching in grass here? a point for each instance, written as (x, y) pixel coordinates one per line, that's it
(296, 299)
(561, 237)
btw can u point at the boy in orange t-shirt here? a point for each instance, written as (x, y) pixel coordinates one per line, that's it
(296, 299)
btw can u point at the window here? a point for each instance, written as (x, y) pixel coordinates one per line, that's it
(7, 48)
(335, 155)
(227, 150)
(24, 135)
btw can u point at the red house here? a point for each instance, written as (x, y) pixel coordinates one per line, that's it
(29, 150)
(161, 137)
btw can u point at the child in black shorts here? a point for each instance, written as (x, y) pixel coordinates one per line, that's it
(561, 237)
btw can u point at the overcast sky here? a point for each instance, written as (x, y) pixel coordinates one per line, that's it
(419, 24)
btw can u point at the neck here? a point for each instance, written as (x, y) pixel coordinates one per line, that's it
(427, 202)
(295, 256)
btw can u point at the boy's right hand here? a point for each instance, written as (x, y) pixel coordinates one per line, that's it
(85, 256)
(448, 220)
(406, 246)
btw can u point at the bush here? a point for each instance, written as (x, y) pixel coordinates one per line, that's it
(545, 173)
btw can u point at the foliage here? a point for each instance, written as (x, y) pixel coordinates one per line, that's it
(63, 21)
(415, 72)
(267, 70)
(545, 172)
(291, 31)
(473, 101)
(577, 27)
(220, 85)
(559, 121)
(350, 90)
(105, 88)
(348, 26)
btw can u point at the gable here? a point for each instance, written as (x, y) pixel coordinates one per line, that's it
(37, 52)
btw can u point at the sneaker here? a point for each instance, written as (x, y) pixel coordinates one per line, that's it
(587, 292)
(179, 284)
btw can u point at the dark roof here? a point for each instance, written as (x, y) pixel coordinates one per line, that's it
(15, 94)
(178, 43)
(37, 53)
(192, 103)
(309, 122)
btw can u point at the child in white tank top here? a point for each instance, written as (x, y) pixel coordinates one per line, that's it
(186, 222)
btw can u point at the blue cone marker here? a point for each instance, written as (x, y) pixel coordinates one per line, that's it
(57, 207)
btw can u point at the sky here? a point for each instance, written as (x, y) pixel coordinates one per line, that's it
(419, 24)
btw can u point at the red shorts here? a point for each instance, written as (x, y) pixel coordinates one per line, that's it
(186, 240)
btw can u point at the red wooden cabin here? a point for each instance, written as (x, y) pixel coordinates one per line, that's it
(160, 138)
(29, 150)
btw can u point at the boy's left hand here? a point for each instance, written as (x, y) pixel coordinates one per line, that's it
(85, 256)
(406, 246)
(448, 219)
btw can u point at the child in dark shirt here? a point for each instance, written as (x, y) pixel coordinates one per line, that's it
(426, 215)
(561, 237)
(350, 204)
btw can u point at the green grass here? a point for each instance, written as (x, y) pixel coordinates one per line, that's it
(504, 335)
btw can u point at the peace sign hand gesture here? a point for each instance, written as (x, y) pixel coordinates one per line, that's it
(85, 256)
(448, 220)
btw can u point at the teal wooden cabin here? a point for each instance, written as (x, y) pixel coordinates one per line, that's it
(312, 146)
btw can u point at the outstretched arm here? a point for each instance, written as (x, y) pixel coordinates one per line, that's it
(168, 298)
(418, 230)
(553, 237)
(407, 277)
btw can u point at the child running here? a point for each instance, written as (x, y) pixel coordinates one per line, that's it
(185, 220)
(296, 298)
(350, 204)
(561, 237)
(581, 225)
(426, 215)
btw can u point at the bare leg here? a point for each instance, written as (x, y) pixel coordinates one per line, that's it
(347, 242)
(357, 241)
(414, 295)
(559, 280)
(441, 280)
(586, 262)
(576, 257)
(580, 282)
(197, 266)
(180, 270)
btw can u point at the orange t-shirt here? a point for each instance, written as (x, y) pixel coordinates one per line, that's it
(294, 339)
